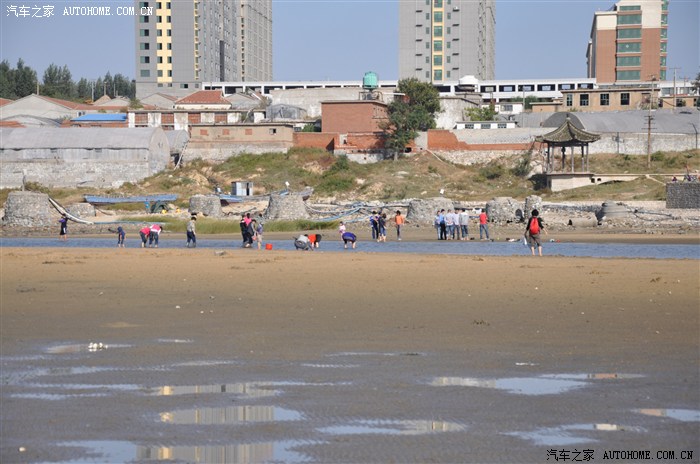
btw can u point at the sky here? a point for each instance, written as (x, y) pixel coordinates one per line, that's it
(339, 39)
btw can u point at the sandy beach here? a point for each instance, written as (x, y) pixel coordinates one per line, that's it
(277, 356)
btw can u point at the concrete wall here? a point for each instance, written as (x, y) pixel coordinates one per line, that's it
(84, 167)
(685, 195)
(218, 143)
(636, 143)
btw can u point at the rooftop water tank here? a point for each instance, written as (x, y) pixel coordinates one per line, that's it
(369, 81)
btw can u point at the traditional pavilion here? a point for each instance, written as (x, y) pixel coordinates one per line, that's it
(567, 136)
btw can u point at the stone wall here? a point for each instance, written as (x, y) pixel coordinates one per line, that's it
(29, 209)
(636, 143)
(422, 212)
(683, 195)
(286, 208)
(208, 205)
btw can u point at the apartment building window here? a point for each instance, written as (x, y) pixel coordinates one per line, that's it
(437, 31)
(160, 73)
(170, 60)
(630, 8)
(448, 44)
(664, 19)
(170, 46)
(449, 15)
(438, 16)
(170, 73)
(502, 125)
(437, 46)
(145, 73)
(664, 46)
(629, 47)
(437, 60)
(160, 59)
(629, 19)
(663, 61)
(170, 32)
(664, 33)
(447, 59)
(448, 75)
(569, 100)
(427, 60)
(604, 99)
(427, 45)
(437, 3)
(427, 16)
(145, 59)
(628, 61)
(664, 5)
(437, 75)
(583, 99)
(427, 30)
(143, 19)
(627, 75)
(625, 99)
(159, 46)
(635, 33)
(159, 32)
(168, 19)
(144, 46)
(144, 32)
(663, 75)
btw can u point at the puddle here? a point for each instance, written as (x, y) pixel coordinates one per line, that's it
(245, 389)
(393, 427)
(174, 340)
(684, 415)
(518, 385)
(331, 366)
(372, 353)
(82, 348)
(122, 451)
(549, 384)
(230, 415)
(206, 363)
(568, 434)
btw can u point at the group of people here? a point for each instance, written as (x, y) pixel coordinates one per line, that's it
(150, 235)
(454, 225)
(378, 224)
(251, 230)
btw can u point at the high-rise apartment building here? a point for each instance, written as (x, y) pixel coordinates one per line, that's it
(187, 42)
(443, 40)
(628, 42)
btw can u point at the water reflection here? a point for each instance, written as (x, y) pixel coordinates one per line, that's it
(569, 434)
(517, 385)
(248, 453)
(393, 427)
(684, 415)
(229, 415)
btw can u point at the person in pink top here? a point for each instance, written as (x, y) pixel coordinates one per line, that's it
(144, 233)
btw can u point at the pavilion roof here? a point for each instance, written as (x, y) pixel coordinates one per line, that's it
(568, 134)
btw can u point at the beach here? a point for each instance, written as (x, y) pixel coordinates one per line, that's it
(240, 355)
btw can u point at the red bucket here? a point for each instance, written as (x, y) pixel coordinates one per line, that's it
(268, 246)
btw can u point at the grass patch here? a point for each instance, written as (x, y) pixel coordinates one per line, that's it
(301, 224)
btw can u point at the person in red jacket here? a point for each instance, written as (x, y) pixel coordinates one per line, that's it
(483, 225)
(534, 228)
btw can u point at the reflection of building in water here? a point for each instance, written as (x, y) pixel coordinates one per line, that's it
(250, 390)
(463, 382)
(229, 415)
(242, 454)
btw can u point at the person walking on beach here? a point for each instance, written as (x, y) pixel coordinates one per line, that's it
(436, 223)
(191, 232)
(63, 224)
(259, 232)
(464, 224)
(483, 225)
(349, 237)
(374, 223)
(534, 228)
(121, 235)
(144, 233)
(154, 235)
(400, 221)
(381, 224)
(443, 225)
(341, 229)
(449, 225)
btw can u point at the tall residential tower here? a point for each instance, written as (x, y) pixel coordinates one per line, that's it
(628, 42)
(187, 42)
(443, 40)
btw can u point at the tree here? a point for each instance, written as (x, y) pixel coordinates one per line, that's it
(25, 80)
(409, 113)
(482, 114)
(696, 84)
(7, 81)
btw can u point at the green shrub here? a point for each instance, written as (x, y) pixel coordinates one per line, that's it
(658, 156)
(522, 168)
(492, 171)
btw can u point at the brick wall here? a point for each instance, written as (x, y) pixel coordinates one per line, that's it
(324, 140)
(683, 195)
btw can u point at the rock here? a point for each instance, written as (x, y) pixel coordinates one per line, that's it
(208, 205)
(423, 211)
(286, 208)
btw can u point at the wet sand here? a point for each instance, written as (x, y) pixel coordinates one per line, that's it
(275, 356)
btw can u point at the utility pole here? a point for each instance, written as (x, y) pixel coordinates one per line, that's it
(649, 119)
(674, 85)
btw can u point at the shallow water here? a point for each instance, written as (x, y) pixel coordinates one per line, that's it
(471, 248)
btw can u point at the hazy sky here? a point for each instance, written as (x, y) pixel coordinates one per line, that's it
(340, 39)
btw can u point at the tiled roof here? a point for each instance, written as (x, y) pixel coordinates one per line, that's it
(204, 97)
(568, 133)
